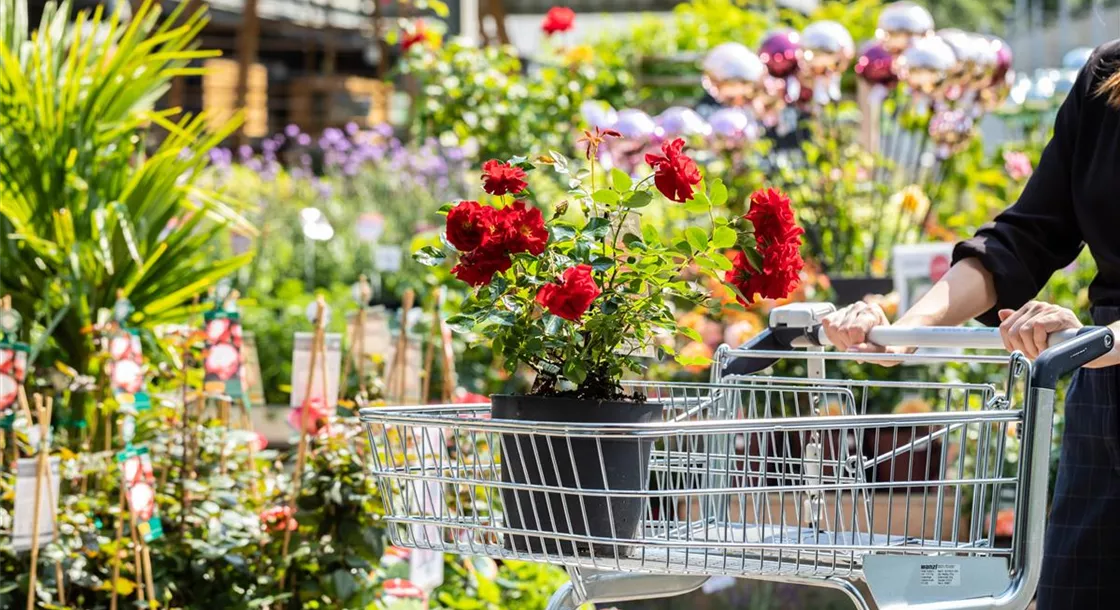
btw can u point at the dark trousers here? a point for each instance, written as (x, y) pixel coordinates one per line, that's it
(1081, 567)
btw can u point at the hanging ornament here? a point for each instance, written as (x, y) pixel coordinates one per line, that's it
(634, 124)
(900, 23)
(950, 131)
(924, 67)
(875, 65)
(599, 114)
(994, 95)
(638, 131)
(781, 52)
(771, 101)
(731, 128)
(827, 49)
(961, 76)
(679, 121)
(732, 74)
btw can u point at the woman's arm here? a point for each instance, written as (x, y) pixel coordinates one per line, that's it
(965, 292)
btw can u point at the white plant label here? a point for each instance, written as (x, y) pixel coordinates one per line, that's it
(301, 369)
(23, 521)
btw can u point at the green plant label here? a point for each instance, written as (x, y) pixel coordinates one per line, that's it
(140, 490)
(222, 363)
(126, 371)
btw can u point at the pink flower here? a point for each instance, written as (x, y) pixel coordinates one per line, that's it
(1017, 165)
(315, 419)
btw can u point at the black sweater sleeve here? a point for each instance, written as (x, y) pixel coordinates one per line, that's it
(1038, 235)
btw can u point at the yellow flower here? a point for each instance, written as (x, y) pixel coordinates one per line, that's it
(579, 54)
(911, 199)
(913, 405)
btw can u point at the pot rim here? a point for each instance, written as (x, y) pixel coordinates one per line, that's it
(629, 403)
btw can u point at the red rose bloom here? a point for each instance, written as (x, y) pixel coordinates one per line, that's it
(418, 35)
(278, 519)
(779, 245)
(558, 19)
(500, 178)
(674, 172)
(521, 229)
(479, 266)
(572, 296)
(468, 223)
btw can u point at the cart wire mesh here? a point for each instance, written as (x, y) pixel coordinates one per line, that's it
(750, 475)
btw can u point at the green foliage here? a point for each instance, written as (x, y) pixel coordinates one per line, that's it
(481, 98)
(87, 211)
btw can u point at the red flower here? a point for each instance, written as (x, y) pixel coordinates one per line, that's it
(779, 246)
(278, 519)
(418, 35)
(468, 223)
(521, 229)
(479, 266)
(314, 419)
(772, 216)
(500, 178)
(674, 172)
(558, 19)
(572, 296)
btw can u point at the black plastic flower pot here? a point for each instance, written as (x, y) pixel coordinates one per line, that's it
(848, 290)
(566, 463)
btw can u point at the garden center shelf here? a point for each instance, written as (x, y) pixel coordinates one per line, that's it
(789, 476)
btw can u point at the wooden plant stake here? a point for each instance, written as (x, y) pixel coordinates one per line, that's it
(146, 553)
(317, 349)
(117, 554)
(40, 471)
(59, 575)
(137, 565)
(400, 358)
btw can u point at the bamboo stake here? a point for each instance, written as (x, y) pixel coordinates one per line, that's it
(400, 359)
(301, 456)
(137, 566)
(117, 554)
(147, 555)
(59, 575)
(43, 429)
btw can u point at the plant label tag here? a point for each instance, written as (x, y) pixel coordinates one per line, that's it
(127, 375)
(222, 362)
(24, 517)
(140, 491)
(328, 364)
(399, 594)
(387, 259)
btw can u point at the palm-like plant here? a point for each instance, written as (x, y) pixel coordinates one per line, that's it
(85, 210)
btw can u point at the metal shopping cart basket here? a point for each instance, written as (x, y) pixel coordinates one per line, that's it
(797, 478)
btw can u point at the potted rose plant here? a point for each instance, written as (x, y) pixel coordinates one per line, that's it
(578, 301)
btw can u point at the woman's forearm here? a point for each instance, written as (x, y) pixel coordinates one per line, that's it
(965, 292)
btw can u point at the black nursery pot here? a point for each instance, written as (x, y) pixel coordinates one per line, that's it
(565, 460)
(848, 290)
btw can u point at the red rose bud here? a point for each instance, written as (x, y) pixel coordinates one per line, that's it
(468, 223)
(521, 229)
(479, 266)
(572, 296)
(279, 519)
(500, 178)
(675, 173)
(558, 19)
(418, 35)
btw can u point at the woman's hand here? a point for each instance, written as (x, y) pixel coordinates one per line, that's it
(847, 330)
(1028, 329)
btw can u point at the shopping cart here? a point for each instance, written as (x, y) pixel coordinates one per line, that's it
(797, 478)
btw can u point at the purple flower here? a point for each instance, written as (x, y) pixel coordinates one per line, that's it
(292, 130)
(254, 164)
(221, 157)
(322, 189)
(351, 128)
(269, 146)
(305, 160)
(303, 139)
(384, 130)
(245, 152)
(332, 134)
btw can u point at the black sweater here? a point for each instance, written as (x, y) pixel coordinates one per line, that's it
(1071, 200)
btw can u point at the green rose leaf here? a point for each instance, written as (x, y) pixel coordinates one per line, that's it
(574, 371)
(429, 256)
(561, 232)
(719, 193)
(638, 199)
(699, 204)
(691, 333)
(697, 238)
(606, 196)
(597, 227)
(501, 318)
(621, 180)
(344, 584)
(693, 360)
(602, 263)
(649, 233)
(724, 237)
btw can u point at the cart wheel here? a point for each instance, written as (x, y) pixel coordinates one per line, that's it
(563, 599)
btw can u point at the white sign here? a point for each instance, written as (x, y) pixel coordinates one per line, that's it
(301, 369)
(388, 258)
(939, 575)
(917, 268)
(23, 521)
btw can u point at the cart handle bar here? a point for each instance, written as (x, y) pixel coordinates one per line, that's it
(786, 338)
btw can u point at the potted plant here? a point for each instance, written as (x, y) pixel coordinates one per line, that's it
(577, 297)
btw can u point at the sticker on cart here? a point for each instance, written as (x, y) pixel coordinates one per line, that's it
(940, 575)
